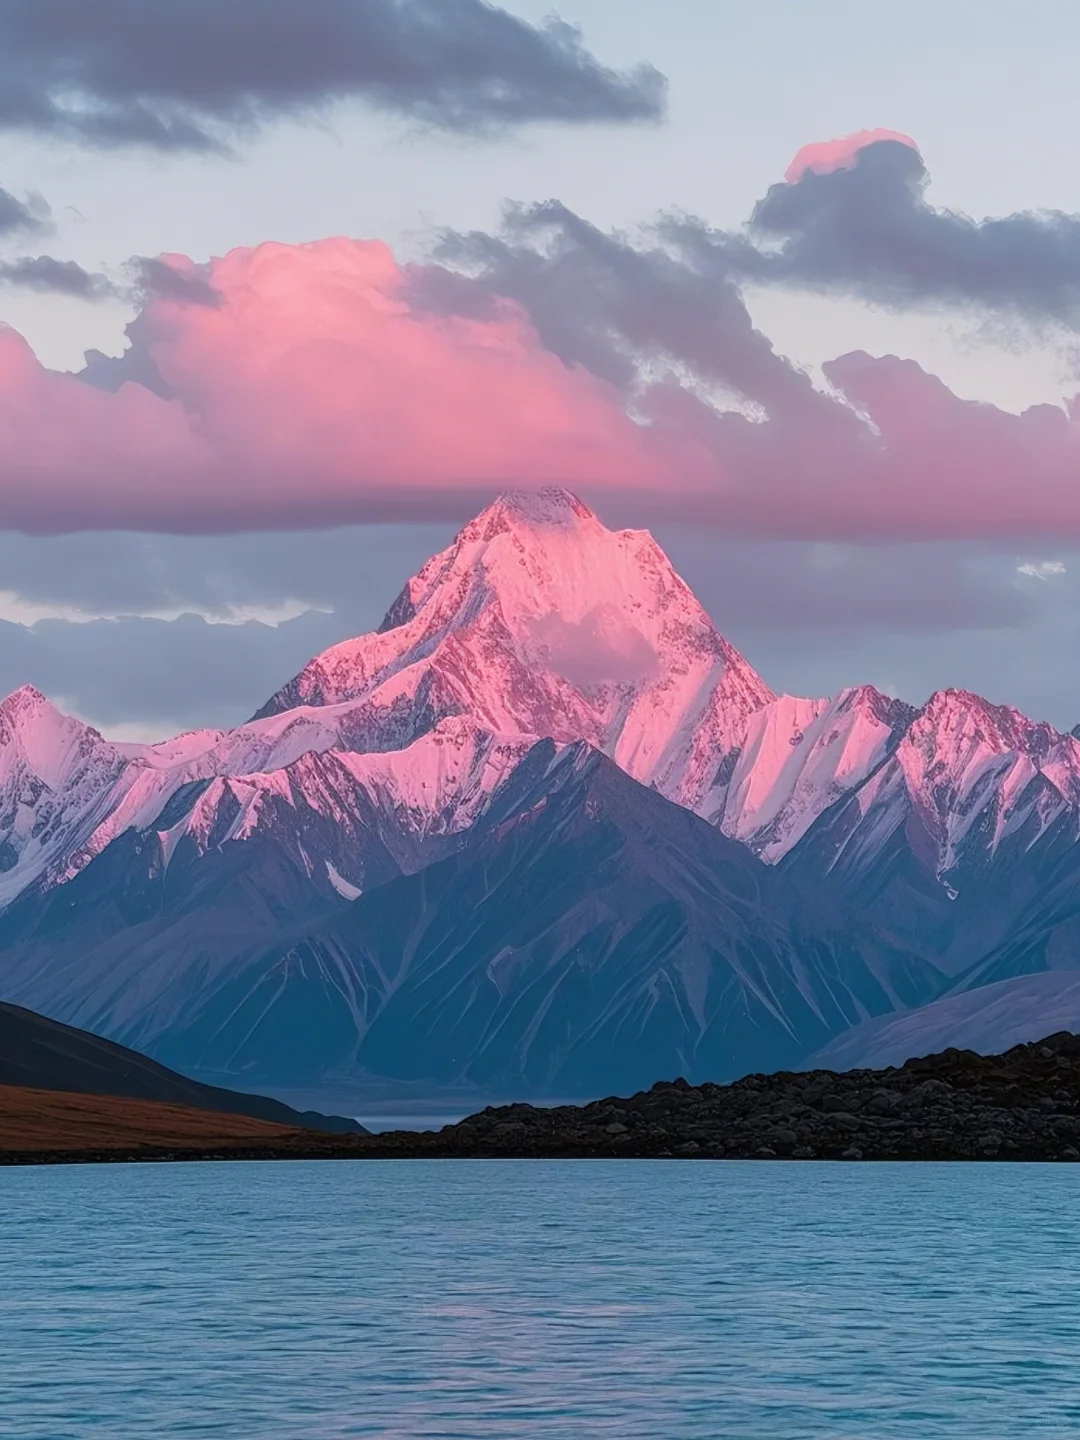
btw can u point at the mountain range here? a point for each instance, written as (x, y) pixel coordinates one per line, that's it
(544, 832)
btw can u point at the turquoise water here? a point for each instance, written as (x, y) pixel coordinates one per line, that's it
(526, 1299)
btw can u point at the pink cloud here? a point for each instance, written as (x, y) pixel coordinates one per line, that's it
(905, 458)
(316, 393)
(312, 393)
(826, 155)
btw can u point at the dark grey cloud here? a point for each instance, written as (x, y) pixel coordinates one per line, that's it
(55, 277)
(1005, 666)
(136, 363)
(154, 279)
(616, 305)
(889, 452)
(165, 675)
(146, 279)
(669, 327)
(356, 572)
(192, 76)
(26, 217)
(868, 230)
(801, 588)
(910, 618)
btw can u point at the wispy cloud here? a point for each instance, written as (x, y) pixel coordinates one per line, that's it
(1041, 569)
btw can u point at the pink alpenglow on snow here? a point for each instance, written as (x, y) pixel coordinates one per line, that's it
(536, 623)
(538, 620)
(824, 156)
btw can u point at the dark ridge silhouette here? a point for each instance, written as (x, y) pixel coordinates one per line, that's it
(41, 1054)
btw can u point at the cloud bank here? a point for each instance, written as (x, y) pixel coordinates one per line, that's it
(306, 386)
(196, 75)
(55, 277)
(310, 392)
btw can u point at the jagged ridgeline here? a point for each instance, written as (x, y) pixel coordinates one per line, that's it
(544, 831)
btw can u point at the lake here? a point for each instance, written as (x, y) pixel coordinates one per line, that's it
(570, 1299)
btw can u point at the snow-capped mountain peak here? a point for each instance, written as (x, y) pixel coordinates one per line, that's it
(962, 754)
(29, 718)
(540, 620)
(532, 518)
(24, 700)
(962, 777)
(58, 777)
(959, 739)
(549, 506)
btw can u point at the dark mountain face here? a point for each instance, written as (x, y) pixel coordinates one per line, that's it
(140, 940)
(585, 934)
(597, 939)
(1002, 908)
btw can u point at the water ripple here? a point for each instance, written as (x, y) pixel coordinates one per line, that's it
(565, 1300)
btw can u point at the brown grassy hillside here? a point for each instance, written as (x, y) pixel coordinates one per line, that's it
(48, 1120)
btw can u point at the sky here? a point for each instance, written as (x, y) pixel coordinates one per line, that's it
(288, 292)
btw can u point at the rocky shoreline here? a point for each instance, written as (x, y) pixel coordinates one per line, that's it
(1023, 1105)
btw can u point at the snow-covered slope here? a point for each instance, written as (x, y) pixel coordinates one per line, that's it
(968, 774)
(798, 757)
(58, 780)
(331, 802)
